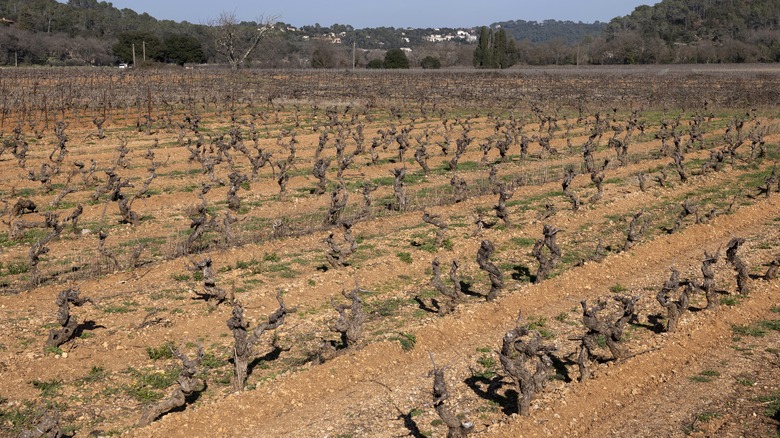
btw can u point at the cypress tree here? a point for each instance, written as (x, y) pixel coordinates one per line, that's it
(499, 50)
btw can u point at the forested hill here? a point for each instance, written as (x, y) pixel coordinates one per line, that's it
(702, 30)
(550, 30)
(82, 18)
(92, 32)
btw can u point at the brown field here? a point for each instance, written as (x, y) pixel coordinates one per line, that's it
(718, 374)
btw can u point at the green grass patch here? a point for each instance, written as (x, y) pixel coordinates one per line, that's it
(488, 365)
(388, 307)
(539, 323)
(522, 241)
(407, 341)
(164, 351)
(17, 417)
(124, 307)
(707, 416)
(147, 384)
(48, 388)
(96, 374)
(617, 288)
(772, 402)
(756, 330)
(15, 268)
(404, 257)
(705, 376)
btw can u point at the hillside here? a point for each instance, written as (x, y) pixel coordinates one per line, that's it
(551, 30)
(91, 32)
(700, 31)
(81, 32)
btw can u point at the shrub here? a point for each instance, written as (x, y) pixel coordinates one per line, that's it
(430, 62)
(396, 58)
(375, 64)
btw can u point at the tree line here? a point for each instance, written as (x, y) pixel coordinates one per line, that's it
(91, 32)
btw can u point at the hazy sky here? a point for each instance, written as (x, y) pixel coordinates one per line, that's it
(391, 13)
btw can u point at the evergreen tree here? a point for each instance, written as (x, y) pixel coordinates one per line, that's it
(499, 50)
(494, 49)
(396, 58)
(483, 47)
(430, 62)
(181, 49)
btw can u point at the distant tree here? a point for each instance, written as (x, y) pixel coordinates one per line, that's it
(483, 56)
(499, 49)
(235, 41)
(123, 48)
(396, 58)
(323, 56)
(181, 49)
(375, 64)
(494, 50)
(430, 62)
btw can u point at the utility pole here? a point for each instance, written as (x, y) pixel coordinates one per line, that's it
(578, 54)
(143, 43)
(354, 43)
(133, 54)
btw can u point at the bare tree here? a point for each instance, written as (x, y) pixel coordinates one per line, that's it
(708, 285)
(439, 223)
(642, 181)
(22, 206)
(547, 261)
(102, 236)
(187, 384)
(688, 210)
(770, 182)
(368, 188)
(675, 308)
(399, 189)
(336, 255)
(773, 271)
(679, 156)
(459, 188)
(338, 202)
(68, 323)
(526, 359)
(452, 296)
(349, 325)
(245, 342)
(211, 293)
(235, 41)
(567, 180)
(636, 229)
(455, 427)
(486, 250)
(40, 247)
(743, 275)
(504, 194)
(199, 221)
(603, 327)
(236, 180)
(320, 170)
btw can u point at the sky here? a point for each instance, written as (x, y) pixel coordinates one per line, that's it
(389, 13)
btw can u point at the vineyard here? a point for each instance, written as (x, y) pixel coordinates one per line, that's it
(543, 252)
